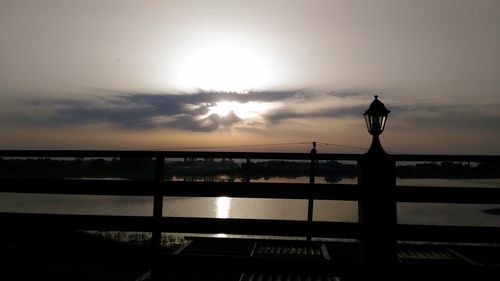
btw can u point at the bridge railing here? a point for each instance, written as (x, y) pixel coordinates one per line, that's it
(158, 188)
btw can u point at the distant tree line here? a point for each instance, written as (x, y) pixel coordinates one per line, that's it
(450, 170)
(143, 168)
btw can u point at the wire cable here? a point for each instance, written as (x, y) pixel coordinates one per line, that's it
(270, 144)
(278, 144)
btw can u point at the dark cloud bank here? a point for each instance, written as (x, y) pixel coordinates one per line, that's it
(139, 111)
(183, 111)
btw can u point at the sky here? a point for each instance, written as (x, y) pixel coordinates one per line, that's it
(86, 74)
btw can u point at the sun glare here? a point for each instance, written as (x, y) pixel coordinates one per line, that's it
(245, 110)
(222, 64)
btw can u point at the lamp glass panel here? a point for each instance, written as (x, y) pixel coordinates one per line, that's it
(382, 126)
(368, 123)
(376, 123)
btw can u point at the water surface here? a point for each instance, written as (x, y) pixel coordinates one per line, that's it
(224, 207)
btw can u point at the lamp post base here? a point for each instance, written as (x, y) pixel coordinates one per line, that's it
(376, 147)
(378, 213)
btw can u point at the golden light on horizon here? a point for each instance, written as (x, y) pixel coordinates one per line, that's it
(247, 110)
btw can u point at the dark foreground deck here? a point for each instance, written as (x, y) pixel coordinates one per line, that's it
(329, 250)
(259, 259)
(243, 259)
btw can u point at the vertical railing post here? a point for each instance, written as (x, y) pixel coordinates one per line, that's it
(246, 170)
(312, 176)
(378, 216)
(157, 214)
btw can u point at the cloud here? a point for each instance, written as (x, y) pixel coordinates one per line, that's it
(334, 112)
(348, 94)
(464, 116)
(191, 112)
(209, 123)
(145, 111)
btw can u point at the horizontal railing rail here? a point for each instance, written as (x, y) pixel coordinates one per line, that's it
(444, 157)
(179, 188)
(175, 154)
(240, 155)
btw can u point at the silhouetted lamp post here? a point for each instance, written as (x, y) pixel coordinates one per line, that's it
(375, 118)
(377, 204)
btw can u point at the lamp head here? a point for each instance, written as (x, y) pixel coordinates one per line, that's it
(376, 117)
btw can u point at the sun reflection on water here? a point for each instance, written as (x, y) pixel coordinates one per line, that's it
(223, 207)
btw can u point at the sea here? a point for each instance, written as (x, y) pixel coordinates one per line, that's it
(279, 209)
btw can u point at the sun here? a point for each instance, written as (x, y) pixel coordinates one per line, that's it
(222, 108)
(246, 110)
(223, 63)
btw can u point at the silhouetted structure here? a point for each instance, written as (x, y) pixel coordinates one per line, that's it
(377, 205)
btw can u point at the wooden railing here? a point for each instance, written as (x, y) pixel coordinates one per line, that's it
(158, 188)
